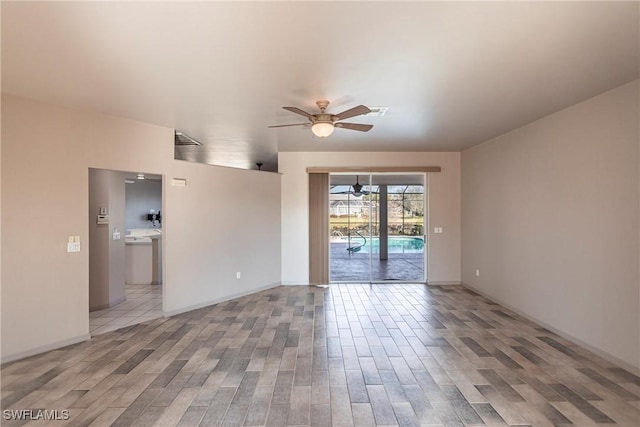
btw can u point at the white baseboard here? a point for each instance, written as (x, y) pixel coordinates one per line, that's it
(295, 283)
(99, 307)
(117, 301)
(45, 348)
(605, 355)
(169, 313)
(445, 283)
(109, 305)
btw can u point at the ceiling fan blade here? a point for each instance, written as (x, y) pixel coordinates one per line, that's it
(284, 126)
(352, 112)
(354, 126)
(298, 111)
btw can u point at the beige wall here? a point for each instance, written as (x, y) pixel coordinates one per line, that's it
(98, 244)
(444, 209)
(550, 217)
(210, 227)
(224, 221)
(117, 273)
(106, 256)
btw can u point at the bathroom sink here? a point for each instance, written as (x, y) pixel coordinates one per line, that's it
(137, 240)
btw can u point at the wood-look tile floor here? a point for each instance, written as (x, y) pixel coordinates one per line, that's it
(364, 355)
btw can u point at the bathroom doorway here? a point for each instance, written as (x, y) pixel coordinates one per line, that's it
(125, 249)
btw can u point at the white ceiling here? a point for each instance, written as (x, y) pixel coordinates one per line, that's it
(453, 74)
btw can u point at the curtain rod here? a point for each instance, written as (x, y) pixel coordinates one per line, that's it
(374, 169)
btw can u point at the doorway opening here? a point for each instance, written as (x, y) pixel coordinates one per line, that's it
(378, 226)
(125, 249)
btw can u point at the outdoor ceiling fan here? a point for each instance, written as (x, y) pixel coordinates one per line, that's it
(356, 189)
(323, 124)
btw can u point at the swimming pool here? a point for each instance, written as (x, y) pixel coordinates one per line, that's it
(396, 244)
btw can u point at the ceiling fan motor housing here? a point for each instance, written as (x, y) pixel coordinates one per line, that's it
(322, 118)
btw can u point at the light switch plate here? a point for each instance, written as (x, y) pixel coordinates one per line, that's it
(437, 230)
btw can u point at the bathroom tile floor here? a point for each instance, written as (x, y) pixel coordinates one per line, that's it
(144, 302)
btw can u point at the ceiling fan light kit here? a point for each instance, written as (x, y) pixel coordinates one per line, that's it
(323, 124)
(322, 129)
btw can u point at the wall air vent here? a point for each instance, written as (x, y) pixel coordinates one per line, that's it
(183, 139)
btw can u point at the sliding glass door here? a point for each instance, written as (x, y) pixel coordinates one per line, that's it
(399, 254)
(377, 227)
(350, 209)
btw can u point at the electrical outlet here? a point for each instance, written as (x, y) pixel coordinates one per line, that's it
(73, 247)
(73, 244)
(238, 275)
(437, 230)
(477, 273)
(116, 235)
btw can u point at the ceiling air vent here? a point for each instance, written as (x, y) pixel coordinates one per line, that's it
(377, 111)
(182, 140)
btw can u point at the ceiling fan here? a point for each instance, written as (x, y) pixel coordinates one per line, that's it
(356, 189)
(323, 124)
